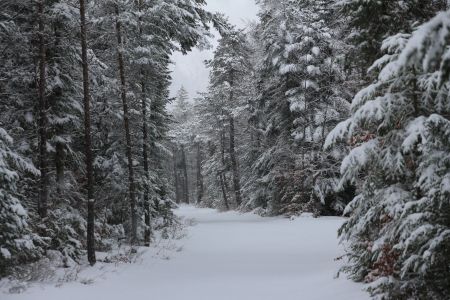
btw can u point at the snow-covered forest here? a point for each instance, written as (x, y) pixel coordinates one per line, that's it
(320, 149)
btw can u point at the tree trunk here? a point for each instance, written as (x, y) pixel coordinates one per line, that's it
(222, 177)
(175, 173)
(148, 229)
(148, 226)
(233, 158)
(324, 125)
(235, 165)
(87, 141)
(224, 191)
(59, 164)
(185, 173)
(126, 120)
(325, 118)
(43, 160)
(199, 174)
(57, 95)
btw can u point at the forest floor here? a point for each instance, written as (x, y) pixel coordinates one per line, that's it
(225, 256)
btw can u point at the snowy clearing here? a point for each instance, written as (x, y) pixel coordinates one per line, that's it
(225, 256)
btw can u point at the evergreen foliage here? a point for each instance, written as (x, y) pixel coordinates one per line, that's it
(327, 107)
(398, 229)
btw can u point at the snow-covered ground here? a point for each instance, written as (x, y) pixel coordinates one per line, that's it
(226, 256)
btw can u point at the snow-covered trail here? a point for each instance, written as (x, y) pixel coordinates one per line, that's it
(228, 256)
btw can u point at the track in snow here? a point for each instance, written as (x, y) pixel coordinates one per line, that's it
(229, 256)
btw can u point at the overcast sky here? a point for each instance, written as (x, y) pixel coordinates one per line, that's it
(189, 70)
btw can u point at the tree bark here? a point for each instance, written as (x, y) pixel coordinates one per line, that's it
(126, 120)
(175, 173)
(87, 140)
(233, 158)
(57, 95)
(185, 173)
(199, 174)
(224, 191)
(222, 177)
(43, 160)
(148, 226)
(234, 164)
(148, 229)
(59, 164)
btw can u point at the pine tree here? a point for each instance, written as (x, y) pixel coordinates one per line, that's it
(87, 139)
(126, 120)
(48, 131)
(61, 115)
(298, 102)
(209, 109)
(229, 65)
(147, 37)
(43, 159)
(371, 21)
(181, 132)
(18, 243)
(398, 227)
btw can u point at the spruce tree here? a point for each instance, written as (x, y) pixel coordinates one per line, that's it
(398, 228)
(17, 242)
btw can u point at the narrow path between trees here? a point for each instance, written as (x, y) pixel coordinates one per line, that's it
(229, 256)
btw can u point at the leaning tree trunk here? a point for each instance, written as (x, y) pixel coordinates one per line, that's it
(185, 173)
(199, 174)
(87, 140)
(126, 120)
(43, 160)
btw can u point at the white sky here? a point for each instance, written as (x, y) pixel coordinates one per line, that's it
(189, 70)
